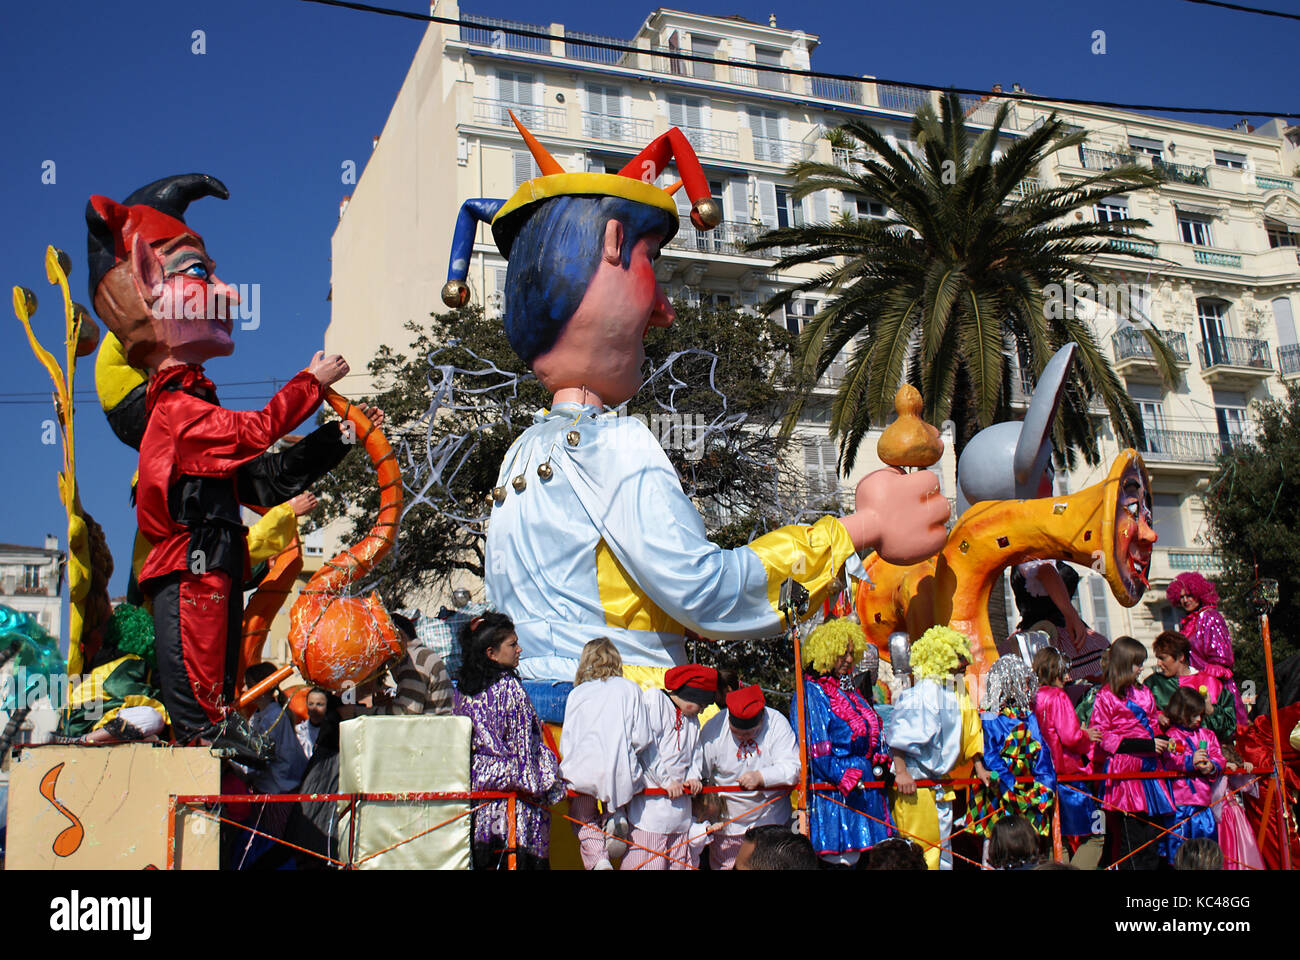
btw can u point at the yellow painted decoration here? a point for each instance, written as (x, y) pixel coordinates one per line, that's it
(909, 441)
(587, 184)
(811, 555)
(626, 604)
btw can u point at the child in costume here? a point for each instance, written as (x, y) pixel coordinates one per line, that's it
(750, 745)
(1194, 750)
(605, 727)
(1125, 716)
(1206, 631)
(1070, 744)
(1013, 747)
(846, 746)
(933, 728)
(661, 824)
(1236, 838)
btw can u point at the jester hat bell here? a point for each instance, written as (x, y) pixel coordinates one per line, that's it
(635, 182)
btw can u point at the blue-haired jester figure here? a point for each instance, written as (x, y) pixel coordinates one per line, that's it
(590, 532)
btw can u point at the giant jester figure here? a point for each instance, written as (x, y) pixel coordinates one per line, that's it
(591, 533)
(152, 282)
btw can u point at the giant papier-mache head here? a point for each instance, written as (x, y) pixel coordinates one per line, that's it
(153, 285)
(582, 245)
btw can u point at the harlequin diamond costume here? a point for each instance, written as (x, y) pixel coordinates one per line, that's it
(198, 461)
(590, 533)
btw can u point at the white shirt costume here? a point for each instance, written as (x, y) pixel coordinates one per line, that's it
(307, 735)
(605, 727)
(673, 754)
(609, 545)
(774, 755)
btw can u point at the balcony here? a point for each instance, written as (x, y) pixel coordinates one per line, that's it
(1180, 451)
(770, 150)
(843, 91)
(983, 110)
(486, 32)
(745, 73)
(535, 118)
(1288, 360)
(726, 239)
(1134, 358)
(1167, 563)
(581, 51)
(1181, 172)
(1126, 245)
(600, 126)
(1234, 361)
(902, 99)
(1025, 188)
(1274, 183)
(1216, 258)
(719, 143)
(1103, 159)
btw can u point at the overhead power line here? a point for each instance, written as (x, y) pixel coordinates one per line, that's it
(1242, 9)
(821, 75)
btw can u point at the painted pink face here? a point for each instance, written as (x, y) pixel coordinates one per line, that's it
(602, 347)
(193, 315)
(1133, 534)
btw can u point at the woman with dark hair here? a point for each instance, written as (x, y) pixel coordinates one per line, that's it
(1206, 631)
(508, 750)
(1013, 844)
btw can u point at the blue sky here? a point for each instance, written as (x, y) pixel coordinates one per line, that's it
(288, 91)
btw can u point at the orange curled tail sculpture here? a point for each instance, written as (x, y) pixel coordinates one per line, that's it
(338, 640)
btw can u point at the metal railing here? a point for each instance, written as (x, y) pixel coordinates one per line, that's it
(726, 238)
(985, 110)
(1288, 359)
(717, 142)
(1102, 159)
(745, 73)
(581, 51)
(1234, 352)
(844, 91)
(486, 33)
(1274, 183)
(669, 61)
(771, 150)
(1025, 188)
(1131, 344)
(546, 119)
(1182, 172)
(1185, 446)
(602, 126)
(902, 99)
(1213, 258)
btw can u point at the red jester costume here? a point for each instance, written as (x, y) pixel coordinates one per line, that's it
(153, 284)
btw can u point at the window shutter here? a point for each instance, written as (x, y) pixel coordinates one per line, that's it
(1100, 612)
(525, 167)
(739, 211)
(767, 203)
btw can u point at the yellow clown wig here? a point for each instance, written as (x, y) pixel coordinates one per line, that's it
(825, 645)
(938, 652)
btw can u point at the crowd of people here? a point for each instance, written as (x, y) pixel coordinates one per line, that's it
(930, 770)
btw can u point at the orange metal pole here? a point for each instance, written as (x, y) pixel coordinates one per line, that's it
(1058, 853)
(1278, 772)
(800, 795)
(171, 832)
(510, 832)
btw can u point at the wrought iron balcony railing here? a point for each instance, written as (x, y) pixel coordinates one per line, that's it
(1183, 446)
(1182, 172)
(536, 118)
(1234, 352)
(1288, 359)
(602, 126)
(1131, 344)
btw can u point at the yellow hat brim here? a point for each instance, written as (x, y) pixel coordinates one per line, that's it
(508, 219)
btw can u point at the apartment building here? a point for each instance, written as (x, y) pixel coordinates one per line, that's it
(1225, 226)
(31, 581)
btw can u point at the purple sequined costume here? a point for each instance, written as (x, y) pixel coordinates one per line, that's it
(509, 753)
(1211, 650)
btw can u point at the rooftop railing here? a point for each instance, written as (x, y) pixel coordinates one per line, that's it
(845, 91)
(582, 51)
(902, 99)
(487, 33)
(746, 74)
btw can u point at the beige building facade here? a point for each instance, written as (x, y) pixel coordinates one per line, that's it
(1225, 226)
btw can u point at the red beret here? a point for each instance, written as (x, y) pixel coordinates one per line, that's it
(745, 703)
(691, 675)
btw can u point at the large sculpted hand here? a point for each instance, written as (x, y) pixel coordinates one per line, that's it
(900, 515)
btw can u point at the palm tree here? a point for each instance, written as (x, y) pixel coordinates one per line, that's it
(942, 290)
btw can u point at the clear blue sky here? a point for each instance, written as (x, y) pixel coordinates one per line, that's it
(288, 91)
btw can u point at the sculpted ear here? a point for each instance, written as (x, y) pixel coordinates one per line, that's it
(146, 270)
(613, 249)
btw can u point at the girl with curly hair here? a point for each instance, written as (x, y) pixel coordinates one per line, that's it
(932, 729)
(846, 746)
(1206, 631)
(508, 751)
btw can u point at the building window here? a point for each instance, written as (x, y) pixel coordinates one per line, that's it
(1144, 145)
(789, 211)
(1168, 516)
(820, 471)
(1213, 317)
(1110, 209)
(1233, 161)
(686, 112)
(770, 57)
(1232, 425)
(865, 209)
(31, 577)
(703, 47)
(1194, 230)
(1280, 235)
(525, 167)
